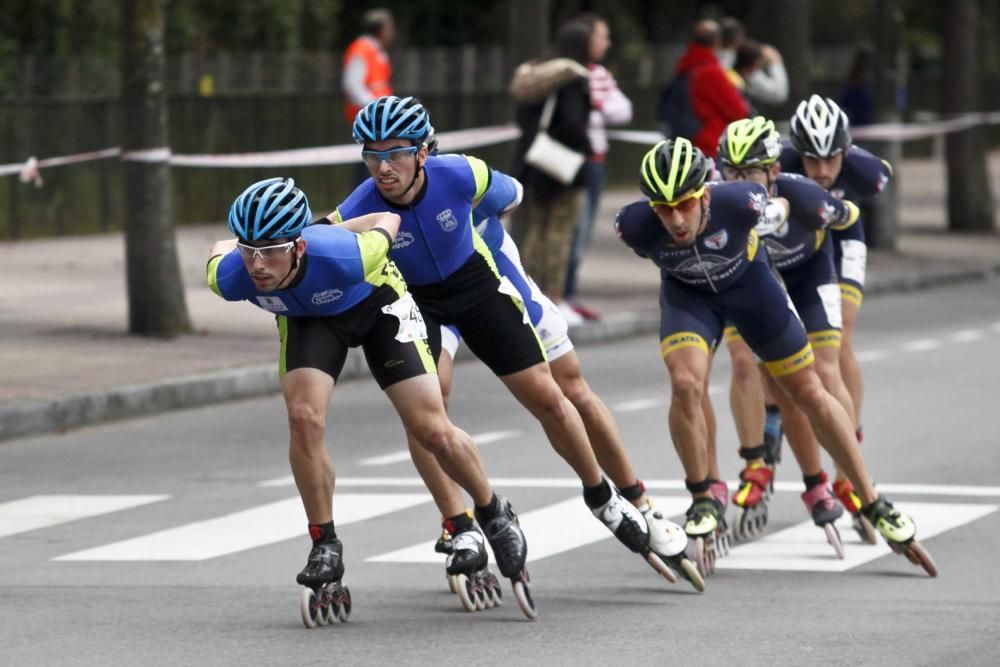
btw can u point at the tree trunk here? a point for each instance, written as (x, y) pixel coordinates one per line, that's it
(155, 290)
(882, 219)
(970, 204)
(529, 30)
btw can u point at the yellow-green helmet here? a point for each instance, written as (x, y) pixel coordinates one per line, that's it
(750, 141)
(671, 168)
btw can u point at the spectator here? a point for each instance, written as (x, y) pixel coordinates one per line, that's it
(749, 59)
(858, 93)
(367, 70)
(609, 106)
(714, 100)
(543, 225)
(768, 84)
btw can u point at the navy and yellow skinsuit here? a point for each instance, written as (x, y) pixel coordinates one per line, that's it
(802, 254)
(723, 275)
(861, 178)
(346, 294)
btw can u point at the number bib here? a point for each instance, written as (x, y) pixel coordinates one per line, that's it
(411, 322)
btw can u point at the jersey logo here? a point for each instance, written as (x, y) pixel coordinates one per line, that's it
(717, 241)
(838, 193)
(882, 181)
(327, 296)
(403, 239)
(447, 220)
(273, 304)
(758, 200)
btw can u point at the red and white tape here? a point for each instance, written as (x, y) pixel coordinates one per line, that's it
(448, 142)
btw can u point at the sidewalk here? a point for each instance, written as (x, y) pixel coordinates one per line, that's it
(67, 360)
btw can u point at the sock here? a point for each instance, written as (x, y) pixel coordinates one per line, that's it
(595, 496)
(322, 532)
(458, 523)
(491, 509)
(814, 480)
(633, 492)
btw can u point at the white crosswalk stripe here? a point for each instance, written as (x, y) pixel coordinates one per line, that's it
(552, 529)
(239, 531)
(36, 512)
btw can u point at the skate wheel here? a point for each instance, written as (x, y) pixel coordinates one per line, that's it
(307, 608)
(452, 586)
(522, 593)
(918, 556)
(833, 539)
(698, 554)
(657, 564)
(866, 531)
(738, 525)
(344, 605)
(692, 574)
(466, 593)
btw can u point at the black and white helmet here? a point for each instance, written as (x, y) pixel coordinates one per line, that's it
(820, 128)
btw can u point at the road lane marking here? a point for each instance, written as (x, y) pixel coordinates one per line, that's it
(966, 336)
(239, 531)
(550, 530)
(803, 546)
(404, 455)
(921, 345)
(44, 511)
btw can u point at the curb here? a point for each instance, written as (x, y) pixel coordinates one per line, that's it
(60, 414)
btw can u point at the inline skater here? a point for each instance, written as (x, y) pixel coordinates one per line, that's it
(350, 296)
(704, 238)
(454, 280)
(800, 251)
(667, 539)
(821, 149)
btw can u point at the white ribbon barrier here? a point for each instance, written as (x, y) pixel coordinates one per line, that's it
(448, 142)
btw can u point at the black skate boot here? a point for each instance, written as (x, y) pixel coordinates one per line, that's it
(500, 525)
(324, 599)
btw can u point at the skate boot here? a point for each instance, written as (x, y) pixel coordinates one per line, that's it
(720, 491)
(844, 491)
(899, 531)
(324, 598)
(628, 525)
(444, 544)
(669, 541)
(510, 549)
(773, 435)
(750, 517)
(703, 525)
(825, 510)
(477, 587)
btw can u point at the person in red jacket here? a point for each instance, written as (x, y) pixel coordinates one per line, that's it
(714, 99)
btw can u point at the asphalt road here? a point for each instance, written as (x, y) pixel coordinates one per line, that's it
(175, 539)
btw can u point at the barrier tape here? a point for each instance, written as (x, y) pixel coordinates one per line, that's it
(449, 142)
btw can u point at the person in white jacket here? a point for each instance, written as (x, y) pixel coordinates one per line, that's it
(769, 83)
(609, 107)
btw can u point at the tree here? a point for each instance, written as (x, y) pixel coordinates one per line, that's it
(970, 204)
(529, 29)
(155, 291)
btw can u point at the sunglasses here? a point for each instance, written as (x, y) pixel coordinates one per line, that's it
(684, 204)
(736, 173)
(267, 253)
(392, 156)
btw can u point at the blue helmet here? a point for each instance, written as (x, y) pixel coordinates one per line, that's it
(269, 209)
(390, 117)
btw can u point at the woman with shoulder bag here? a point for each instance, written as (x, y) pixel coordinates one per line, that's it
(553, 115)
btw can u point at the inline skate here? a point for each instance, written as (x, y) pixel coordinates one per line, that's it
(705, 529)
(669, 542)
(844, 491)
(500, 525)
(468, 574)
(324, 598)
(750, 499)
(899, 531)
(627, 524)
(825, 511)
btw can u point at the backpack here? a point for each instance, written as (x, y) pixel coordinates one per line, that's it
(676, 112)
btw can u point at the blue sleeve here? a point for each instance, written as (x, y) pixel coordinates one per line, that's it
(227, 276)
(637, 226)
(811, 205)
(868, 174)
(502, 194)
